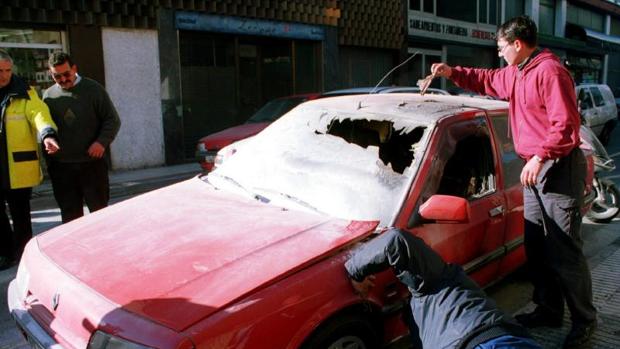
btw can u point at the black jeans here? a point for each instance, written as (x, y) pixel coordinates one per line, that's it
(553, 242)
(77, 183)
(14, 239)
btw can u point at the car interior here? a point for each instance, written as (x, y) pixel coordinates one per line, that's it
(395, 147)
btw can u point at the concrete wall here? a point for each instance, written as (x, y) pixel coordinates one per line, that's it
(131, 59)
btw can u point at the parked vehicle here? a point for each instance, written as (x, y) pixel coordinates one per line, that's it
(598, 109)
(252, 254)
(606, 204)
(208, 146)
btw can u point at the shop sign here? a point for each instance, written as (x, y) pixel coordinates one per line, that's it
(446, 29)
(247, 26)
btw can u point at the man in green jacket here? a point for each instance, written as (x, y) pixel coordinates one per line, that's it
(24, 118)
(87, 123)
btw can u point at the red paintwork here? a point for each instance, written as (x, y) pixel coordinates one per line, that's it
(225, 137)
(445, 208)
(188, 265)
(167, 254)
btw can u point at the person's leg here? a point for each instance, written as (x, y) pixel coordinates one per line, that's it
(562, 196)
(547, 294)
(95, 184)
(6, 232)
(67, 191)
(509, 342)
(19, 206)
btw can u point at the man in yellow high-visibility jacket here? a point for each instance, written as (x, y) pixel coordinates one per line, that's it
(23, 119)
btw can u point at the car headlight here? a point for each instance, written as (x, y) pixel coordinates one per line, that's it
(102, 340)
(201, 147)
(22, 280)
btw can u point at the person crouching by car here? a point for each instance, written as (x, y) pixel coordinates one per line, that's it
(448, 308)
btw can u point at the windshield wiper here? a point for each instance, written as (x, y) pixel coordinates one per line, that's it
(258, 197)
(292, 198)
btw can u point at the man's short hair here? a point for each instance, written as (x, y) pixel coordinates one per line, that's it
(59, 58)
(519, 28)
(5, 56)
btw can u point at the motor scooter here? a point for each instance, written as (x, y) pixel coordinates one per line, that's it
(605, 205)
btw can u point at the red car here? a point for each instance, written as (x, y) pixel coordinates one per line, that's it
(252, 255)
(208, 146)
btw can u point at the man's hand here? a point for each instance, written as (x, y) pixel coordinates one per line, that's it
(441, 69)
(529, 174)
(362, 288)
(51, 146)
(96, 150)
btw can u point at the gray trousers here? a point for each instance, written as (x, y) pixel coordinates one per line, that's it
(553, 242)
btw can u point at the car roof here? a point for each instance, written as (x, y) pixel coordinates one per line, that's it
(382, 89)
(408, 107)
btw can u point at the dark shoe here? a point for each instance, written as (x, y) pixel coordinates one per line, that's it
(6, 262)
(579, 335)
(539, 318)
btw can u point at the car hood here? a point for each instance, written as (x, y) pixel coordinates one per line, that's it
(192, 243)
(223, 138)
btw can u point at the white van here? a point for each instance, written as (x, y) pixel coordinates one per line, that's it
(598, 109)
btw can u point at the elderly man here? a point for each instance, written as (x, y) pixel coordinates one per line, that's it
(24, 118)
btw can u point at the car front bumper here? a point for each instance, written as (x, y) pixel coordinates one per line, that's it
(34, 333)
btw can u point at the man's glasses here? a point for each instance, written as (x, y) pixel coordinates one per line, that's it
(500, 49)
(66, 74)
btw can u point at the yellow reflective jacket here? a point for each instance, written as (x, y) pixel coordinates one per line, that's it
(24, 117)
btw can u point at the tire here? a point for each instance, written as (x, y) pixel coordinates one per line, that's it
(349, 331)
(605, 209)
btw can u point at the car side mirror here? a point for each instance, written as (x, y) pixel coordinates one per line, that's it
(445, 208)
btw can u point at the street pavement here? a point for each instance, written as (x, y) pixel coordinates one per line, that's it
(601, 246)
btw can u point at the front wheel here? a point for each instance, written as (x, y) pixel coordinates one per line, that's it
(605, 206)
(344, 332)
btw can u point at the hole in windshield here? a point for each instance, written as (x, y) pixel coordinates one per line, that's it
(395, 147)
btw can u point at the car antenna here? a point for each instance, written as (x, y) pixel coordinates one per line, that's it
(359, 106)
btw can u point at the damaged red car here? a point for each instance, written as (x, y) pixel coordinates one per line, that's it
(251, 255)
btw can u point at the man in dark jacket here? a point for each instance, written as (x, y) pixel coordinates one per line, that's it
(544, 123)
(448, 308)
(87, 124)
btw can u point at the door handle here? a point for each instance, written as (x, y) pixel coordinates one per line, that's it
(495, 211)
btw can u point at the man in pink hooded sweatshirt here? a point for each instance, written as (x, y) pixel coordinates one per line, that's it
(544, 124)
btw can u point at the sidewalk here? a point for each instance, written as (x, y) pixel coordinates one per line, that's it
(128, 182)
(605, 270)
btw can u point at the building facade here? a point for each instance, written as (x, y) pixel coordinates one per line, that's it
(180, 69)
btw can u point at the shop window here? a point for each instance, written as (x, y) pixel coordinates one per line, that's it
(614, 28)
(307, 67)
(30, 50)
(585, 18)
(481, 11)
(514, 8)
(546, 23)
(458, 9)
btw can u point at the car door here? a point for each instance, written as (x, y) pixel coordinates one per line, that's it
(604, 106)
(511, 165)
(463, 162)
(588, 111)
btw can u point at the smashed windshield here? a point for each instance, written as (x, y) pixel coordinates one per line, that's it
(345, 164)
